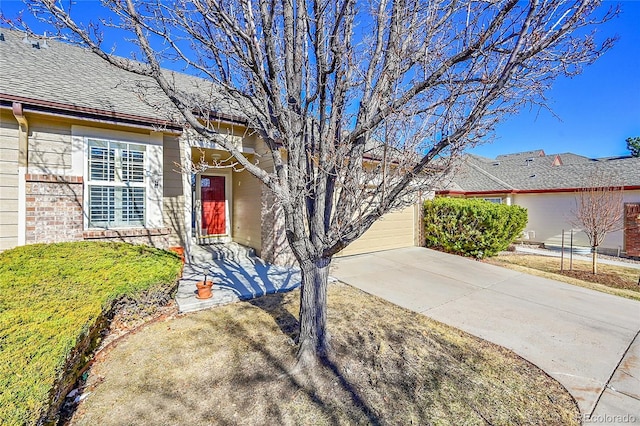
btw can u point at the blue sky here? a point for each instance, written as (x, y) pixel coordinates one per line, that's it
(594, 112)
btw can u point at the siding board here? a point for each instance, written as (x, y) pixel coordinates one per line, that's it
(247, 193)
(173, 200)
(7, 243)
(8, 218)
(8, 181)
(49, 145)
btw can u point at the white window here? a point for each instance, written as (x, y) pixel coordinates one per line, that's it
(495, 200)
(116, 184)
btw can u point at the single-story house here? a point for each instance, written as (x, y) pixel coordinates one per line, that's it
(84, 157)
(548, 187)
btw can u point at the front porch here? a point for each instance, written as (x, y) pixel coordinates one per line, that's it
(237, 274)
(226, 203)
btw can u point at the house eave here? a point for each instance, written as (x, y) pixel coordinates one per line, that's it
(65, 110)
(83, 113)
(524, 191)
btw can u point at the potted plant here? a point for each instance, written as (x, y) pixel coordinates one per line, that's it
(179, 251)
(204, 288)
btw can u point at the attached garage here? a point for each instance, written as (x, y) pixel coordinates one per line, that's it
(394, 230)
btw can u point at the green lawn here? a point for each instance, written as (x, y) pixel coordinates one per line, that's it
(50, 297)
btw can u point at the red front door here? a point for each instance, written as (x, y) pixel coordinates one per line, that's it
(213, 205)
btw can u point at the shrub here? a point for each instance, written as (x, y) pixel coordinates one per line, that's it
(471, 227)
(53, 297)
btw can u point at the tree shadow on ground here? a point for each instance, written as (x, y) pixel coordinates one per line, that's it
(273, 304)
(289, 325)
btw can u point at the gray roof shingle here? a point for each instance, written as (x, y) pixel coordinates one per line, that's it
(530, 173)
(64, 75)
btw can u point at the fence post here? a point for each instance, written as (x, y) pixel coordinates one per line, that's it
(571, 252)
(562, 253)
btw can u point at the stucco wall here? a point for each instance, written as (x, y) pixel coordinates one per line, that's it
(550, 213)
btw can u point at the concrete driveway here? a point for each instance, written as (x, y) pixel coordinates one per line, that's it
(586, 340)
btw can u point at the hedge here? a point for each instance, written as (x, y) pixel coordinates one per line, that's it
(472, 227)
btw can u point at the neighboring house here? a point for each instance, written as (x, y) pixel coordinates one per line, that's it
(547, 185)
(82, 157)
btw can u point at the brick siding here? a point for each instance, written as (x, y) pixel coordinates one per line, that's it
(156, 237)
(53, 208)
(632, 229)
(54, 214)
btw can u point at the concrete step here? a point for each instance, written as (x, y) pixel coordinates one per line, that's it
(219, 251)
(188, 302)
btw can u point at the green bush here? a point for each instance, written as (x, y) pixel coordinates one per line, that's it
(51, 298)
(471, 227)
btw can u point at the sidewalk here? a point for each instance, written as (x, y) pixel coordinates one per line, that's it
(236, 276)
(556, 253)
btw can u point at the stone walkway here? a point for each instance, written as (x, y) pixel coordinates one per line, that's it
(237, 274)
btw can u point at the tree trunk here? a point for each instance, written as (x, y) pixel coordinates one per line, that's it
(314, 338)
(594, 260)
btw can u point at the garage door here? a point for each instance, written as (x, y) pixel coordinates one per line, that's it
(394, 230)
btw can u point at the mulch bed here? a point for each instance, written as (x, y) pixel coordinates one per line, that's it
(610, 280)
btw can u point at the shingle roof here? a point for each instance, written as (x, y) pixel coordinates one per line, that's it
(516, 155)
(64, 75)
(571, 158)
(524, 172)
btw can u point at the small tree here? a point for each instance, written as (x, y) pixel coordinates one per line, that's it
(633, 145)
(599, 210)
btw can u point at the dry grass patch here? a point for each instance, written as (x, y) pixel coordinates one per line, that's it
(612, 279)
(230, 365)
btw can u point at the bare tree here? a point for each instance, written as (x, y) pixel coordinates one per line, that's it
(599, 210)
(359, 102)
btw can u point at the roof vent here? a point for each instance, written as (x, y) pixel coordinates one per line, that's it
(497, 163)
(1, 36)
(532, 176)
(36, 45)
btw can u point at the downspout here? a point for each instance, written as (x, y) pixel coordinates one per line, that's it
(23, 165)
